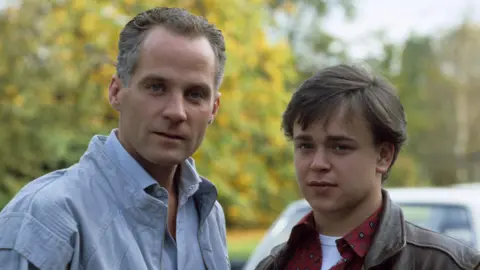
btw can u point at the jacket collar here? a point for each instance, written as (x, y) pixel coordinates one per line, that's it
(205, 199)
(390, 237)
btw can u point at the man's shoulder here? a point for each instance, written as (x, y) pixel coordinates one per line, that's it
(48, 202)
(37, 222)
(42, 199)
(217, 207)
(442, 246)
(46, 191)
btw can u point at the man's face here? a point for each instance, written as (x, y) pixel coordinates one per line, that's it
(337, 164)
(165, 110)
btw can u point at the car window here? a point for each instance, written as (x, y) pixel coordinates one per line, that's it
(452, 220)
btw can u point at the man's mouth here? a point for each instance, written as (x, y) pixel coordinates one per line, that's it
(170, 136)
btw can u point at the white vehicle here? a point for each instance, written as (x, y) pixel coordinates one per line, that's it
(451, 211)
(467, 185)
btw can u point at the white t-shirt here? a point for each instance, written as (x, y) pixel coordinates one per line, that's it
(330, 254)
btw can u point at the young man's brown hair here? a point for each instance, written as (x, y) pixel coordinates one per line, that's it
(355, 89)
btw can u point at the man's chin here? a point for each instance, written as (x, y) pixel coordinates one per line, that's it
(165, 157)
(167, 160)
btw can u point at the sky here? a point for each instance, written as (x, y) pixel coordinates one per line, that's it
(398, 18)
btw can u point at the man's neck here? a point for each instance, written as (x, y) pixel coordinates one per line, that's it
(167, 177)
(341, 223)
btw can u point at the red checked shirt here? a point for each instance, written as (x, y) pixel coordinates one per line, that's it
(352, 247)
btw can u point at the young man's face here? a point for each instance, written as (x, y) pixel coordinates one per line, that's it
(338, 166)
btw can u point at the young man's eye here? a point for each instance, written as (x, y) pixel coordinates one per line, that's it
(341, 147)
(304, 146)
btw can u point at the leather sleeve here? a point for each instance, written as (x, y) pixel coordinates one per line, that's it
(265, 264)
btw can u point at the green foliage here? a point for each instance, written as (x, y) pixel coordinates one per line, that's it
(53, 97)
(55, 69)
(434, 73)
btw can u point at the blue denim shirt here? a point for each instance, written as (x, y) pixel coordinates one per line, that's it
(97, 215)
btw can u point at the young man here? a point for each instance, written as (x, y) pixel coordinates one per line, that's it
(347, 128)
(135, 200)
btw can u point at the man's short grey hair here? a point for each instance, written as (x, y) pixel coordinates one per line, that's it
(177, 20)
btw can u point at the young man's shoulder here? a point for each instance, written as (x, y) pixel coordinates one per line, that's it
(425, 250)
(273, 258)
(439, 249)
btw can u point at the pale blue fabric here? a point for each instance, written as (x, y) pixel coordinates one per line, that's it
(96, 215)
(174, 254)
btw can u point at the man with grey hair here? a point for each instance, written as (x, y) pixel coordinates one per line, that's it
(135, 200)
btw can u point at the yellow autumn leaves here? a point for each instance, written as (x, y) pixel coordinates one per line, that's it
(244, 152)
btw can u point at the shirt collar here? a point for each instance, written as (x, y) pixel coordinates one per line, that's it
(359, 239)
(189, 182)
(304, 228)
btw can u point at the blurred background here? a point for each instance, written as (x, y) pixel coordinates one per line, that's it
(57, 57)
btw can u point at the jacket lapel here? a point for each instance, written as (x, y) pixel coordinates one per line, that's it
(390, 237)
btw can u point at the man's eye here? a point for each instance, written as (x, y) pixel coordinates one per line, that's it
(156, 87)
(196, 95)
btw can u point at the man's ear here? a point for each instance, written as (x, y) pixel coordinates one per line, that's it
(114, 92)
(385, 154)
(216, 105)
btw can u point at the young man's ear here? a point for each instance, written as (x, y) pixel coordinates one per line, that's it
(385, 154)
(114, 92)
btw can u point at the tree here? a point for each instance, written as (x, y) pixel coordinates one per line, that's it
(54, 97)
(459, 60)
(302, 23)
(432, 73)
(407, 67)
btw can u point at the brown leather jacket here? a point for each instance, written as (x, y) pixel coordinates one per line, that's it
(399, 245)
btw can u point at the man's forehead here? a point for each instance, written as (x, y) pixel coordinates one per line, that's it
(160, 35)
(167, 56)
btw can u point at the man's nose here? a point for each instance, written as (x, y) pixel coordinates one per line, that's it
(320, 160)
(175, 108)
